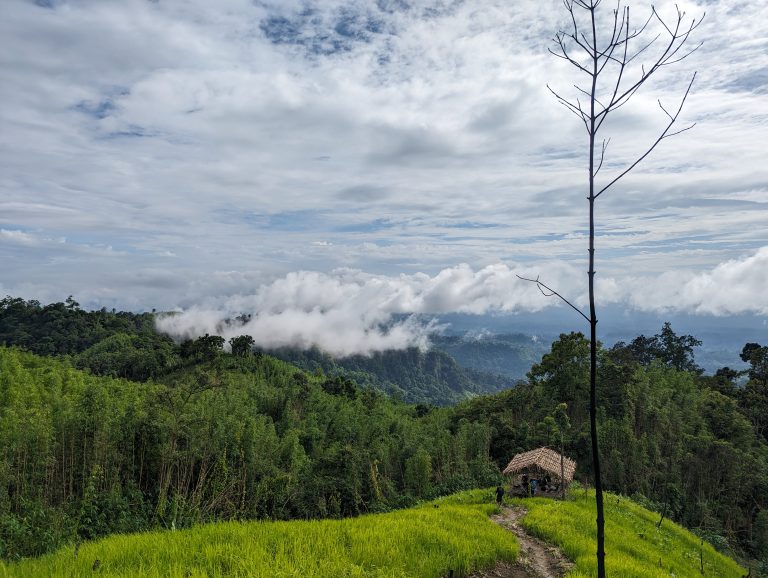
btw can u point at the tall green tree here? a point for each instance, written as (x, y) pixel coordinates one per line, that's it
(241, 345)
(667, 347)
(757, 357)
(753, 398)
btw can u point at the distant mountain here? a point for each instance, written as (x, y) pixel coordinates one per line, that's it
(455, 368)
(722, 337)
(510, 355)
(416, 376)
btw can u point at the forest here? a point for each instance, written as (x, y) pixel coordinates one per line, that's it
(108, 427)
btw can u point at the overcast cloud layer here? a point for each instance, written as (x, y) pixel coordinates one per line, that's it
(232, 155)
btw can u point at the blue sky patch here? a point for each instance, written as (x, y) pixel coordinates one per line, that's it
(98, 110)
(132, 131)
(368, 227)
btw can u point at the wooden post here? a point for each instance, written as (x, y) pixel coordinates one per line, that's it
(562, 467)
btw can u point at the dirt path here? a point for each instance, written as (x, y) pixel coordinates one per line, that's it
(536, 560)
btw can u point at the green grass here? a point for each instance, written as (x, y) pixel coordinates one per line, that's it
(421, 542)
(634, 546)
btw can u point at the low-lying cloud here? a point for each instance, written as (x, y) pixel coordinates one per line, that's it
(349, 312)
(734, 287)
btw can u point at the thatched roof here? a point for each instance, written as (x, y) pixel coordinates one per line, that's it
(542, 459)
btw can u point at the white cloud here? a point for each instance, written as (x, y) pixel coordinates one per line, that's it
(350, 311)
(19, 238)
(731, 288)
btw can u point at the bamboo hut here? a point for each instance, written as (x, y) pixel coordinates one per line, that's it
(539, 464)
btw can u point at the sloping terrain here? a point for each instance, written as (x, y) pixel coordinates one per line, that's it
(450, 536)
(415, 376)
(510, 355)
(635, 547)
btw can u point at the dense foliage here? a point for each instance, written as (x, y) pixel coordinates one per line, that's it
(121, 344)
(510, 355)
(425, 542)
(690, 446)
(63, 328)
(239, 437)
(412, 375)
(117, 344)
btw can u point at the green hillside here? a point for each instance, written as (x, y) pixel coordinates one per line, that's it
(511, 355)
(124, 344)
(453, 533)
(635, 547)
(415, 376)
(227, 439)
(427, 541)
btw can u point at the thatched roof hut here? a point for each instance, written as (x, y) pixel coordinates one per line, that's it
(541, 460)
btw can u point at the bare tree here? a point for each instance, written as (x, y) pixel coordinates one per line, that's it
(615, 64)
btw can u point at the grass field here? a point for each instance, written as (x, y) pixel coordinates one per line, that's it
(634, 546)
(422, 542)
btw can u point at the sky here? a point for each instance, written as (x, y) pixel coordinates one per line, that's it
(328, 166)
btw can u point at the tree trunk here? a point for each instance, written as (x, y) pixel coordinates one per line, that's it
(593, 316)
(562, 466)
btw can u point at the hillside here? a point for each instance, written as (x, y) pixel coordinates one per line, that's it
(428, 541)
(124, 344)
(635, 546)
(510, 355)
(415, 376)
(230, 438)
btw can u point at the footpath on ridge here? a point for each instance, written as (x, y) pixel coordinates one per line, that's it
(537, 559)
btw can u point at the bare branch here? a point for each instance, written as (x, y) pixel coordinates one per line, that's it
(574, 108)
(643, 49)
(566, 56)
(689, 127)
(552, 293)
(588, 94)
(661, 20)
(606, 110)
(683, 57)
(661, 106)
(618, 41)
(602, 155)
(664, 134)
(677, 40)
(681, 38)
(586, 40)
